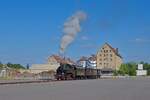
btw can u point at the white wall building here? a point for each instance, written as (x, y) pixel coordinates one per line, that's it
(52, 64)
(82, 62)
(38, 68)
(140, 71)
(87, 62)
(92, 62)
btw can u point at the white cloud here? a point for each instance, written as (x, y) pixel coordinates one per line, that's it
(141, 40)
(89, 46)
(84, 38)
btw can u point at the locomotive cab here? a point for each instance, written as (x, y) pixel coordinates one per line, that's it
(65, 72)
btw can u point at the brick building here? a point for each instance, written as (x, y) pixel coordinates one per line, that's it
(108, 58)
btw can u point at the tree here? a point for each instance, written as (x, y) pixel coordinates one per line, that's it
(27, 66)
(146, 66)
(1, 65)
(132, 68)
(128, 69)
(9, 64)
(115, 72)
(15, 66)
(123, 69)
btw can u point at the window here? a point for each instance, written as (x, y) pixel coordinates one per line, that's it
(104, 51)
(105, 59)
(109, 50)
(110, 55)
(110, 59)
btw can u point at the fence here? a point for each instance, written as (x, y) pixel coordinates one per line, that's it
(10, 74)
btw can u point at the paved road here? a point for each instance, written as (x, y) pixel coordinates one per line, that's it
(104, 89)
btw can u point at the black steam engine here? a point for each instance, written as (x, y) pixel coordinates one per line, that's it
(73, 72)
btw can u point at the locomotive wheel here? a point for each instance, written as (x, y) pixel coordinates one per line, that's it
(69, 77)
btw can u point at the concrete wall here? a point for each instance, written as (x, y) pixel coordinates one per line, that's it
(38, 68)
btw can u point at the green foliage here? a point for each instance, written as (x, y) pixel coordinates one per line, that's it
(123, 70)
(1, 65)
(15, 66)
(128, 69)
(132, 69)
(10, 65)
(146, 66)
(115, 73)
(27, 67)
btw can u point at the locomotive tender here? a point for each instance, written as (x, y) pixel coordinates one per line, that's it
(73, 72)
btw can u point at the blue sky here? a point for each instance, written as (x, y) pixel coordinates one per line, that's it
(31, 30)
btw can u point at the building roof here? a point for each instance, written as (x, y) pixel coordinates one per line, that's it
(92, 58)
(115, 50)
(83, 58)
(60, 59)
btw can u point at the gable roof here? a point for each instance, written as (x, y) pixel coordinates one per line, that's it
(92, 58)
(60, 59)
(113, 49)
(83, 58)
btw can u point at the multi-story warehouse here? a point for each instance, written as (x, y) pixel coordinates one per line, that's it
(108, 58)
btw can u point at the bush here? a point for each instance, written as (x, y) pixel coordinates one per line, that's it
(128, 69)
(15, 66)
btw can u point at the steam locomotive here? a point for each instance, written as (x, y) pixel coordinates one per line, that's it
(74, 72)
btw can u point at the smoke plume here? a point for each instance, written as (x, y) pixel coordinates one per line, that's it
(71, 28)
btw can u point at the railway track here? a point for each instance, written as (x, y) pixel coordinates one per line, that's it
(24, 81)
